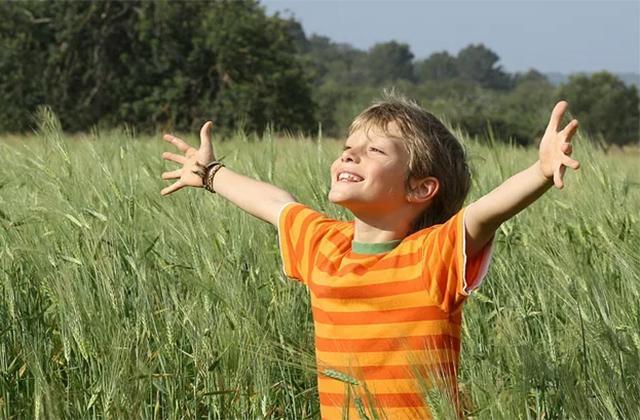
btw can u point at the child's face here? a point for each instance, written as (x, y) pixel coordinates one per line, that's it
(375, 166)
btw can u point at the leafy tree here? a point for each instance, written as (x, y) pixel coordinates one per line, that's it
(261, 80)
(22, 33)
(150, 63)
(389, 61)
(438, 66)
(523, 112)
(605, 106)
(171, 79)
(478, 63)
(532, 75)
(518, 115)
(296, 33)
(330, 61)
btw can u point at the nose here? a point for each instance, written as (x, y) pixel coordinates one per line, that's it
(349, 155)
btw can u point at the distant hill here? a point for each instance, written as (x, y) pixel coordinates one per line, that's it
(557, 78)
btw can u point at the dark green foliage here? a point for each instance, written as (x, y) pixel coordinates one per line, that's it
(530, 76)
(331, 62)
(21, 77)
(150, 64)
(478, 63)
(605, 106)
(172, 65)
(519, 115)
(261, 81)
(389, 61)
(470, 90)
(439, 66)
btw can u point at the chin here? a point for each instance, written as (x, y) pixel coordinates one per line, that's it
(334, 197)
(344, 201)
(338, 198)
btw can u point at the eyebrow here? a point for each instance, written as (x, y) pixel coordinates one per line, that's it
(378, 143)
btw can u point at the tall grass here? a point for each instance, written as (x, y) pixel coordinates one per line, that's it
(116, 302)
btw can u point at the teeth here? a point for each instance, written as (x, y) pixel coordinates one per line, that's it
(346, 176)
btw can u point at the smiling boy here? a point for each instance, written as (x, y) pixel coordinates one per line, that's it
(387, 288)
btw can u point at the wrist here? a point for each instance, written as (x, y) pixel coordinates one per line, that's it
(210, 172)
(540, 174)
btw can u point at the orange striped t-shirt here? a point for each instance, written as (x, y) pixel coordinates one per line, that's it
(387, 325)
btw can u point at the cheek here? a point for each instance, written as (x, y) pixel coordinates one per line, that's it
(394, 181)
(332, 169)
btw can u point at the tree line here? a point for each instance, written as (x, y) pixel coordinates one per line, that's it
(171, 65)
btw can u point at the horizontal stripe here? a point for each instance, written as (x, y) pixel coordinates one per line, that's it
(398, 259)
(405, 413)
(417, 300)
(404, 357)
(372, 275)
(397, 329)
(425, 313)
(328, 412)
(387, 344)
(374, 386)
(381, 400)
(367, 289)
(350, 258)
(435, 371)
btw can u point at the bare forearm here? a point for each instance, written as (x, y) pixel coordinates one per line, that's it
(257, 198)
(483, 217)
(486, 214)
(512, 196)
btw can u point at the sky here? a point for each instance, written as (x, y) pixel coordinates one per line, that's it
(550, 36)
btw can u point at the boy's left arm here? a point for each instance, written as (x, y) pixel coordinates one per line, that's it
(485, 215)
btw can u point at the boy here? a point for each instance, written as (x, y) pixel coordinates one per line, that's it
(387, 288)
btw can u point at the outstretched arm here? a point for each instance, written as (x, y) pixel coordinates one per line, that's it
(485, 215)
(257, 198)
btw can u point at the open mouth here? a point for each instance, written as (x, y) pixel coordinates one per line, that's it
(349, 177)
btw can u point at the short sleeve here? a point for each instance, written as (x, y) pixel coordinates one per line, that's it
(300, 230)
(450, 276)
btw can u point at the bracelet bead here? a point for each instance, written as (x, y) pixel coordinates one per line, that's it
(209, 173)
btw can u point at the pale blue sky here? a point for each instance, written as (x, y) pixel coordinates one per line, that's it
(566, 36)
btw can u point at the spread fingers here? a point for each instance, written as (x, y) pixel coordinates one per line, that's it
(570, 129)
(558, 174)
(172, 188)
(571, 163)
(174, 158)
(179, 143)
(172, 174)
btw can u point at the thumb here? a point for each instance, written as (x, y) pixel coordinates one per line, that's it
(205, 139)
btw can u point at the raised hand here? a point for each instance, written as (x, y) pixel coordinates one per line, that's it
(555, 147)
(193, 160)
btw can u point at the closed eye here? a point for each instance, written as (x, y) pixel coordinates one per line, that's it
(374, 149)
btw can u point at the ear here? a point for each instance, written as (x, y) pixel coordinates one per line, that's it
(422, 190)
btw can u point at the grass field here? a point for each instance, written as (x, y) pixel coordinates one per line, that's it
(118, 303)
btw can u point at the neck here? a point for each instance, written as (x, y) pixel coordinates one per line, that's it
(370, 228)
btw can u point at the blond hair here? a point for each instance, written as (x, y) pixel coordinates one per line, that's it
(432, 149)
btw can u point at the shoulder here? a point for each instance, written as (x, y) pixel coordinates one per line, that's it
(301, 216)
(439, 233)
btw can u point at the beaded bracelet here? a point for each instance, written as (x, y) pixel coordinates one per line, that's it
(209, 172)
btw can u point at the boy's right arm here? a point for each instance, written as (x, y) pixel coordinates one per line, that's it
(257, 198)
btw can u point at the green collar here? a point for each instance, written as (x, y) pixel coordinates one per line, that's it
(373, 247)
